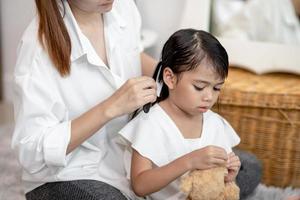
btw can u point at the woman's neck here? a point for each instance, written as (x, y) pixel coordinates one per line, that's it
(85, 18)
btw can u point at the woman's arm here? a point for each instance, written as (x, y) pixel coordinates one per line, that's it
(146, 180)
(88, 123)
(135, 93)
(148, 64)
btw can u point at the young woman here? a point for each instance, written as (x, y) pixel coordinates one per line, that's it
(77, 76)
(180, 133)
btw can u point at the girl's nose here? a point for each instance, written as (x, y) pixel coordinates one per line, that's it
(208, 95)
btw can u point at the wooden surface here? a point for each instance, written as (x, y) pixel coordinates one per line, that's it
(265, 112)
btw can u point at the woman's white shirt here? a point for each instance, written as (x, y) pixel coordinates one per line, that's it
(156, 137)
(45, 103)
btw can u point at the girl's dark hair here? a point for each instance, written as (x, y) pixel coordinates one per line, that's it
(185, 50)
(53, 35)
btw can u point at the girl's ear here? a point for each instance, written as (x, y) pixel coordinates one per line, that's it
(169, 77)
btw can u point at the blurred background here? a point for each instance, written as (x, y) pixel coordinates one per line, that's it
(270, 21)
(247, 28)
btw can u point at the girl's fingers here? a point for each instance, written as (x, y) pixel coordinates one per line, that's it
(233, 159)
(218, 162)
(231, 154)
(235, 164)
(220, 154)
(234, 168)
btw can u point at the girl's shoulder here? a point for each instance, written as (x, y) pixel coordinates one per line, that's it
(147, 118)
(213, 116)
(144, 123)
(222, 126)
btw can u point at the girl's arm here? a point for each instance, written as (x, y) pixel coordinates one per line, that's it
(146, 180)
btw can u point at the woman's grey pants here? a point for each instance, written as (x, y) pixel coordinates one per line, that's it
(248, 178)
(75, 190)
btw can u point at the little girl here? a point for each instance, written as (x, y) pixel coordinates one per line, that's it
(180, 133)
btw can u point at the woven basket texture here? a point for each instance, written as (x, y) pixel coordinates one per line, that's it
(265, 112)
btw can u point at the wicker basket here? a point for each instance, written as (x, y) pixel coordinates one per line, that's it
(265, 111)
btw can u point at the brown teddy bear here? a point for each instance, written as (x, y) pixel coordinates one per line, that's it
(209, 185)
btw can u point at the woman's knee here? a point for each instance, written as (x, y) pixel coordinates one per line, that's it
(79, 190)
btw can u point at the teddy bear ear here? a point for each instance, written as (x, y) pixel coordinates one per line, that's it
(186, 184)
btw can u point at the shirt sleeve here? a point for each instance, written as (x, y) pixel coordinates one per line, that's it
(42, 128)
(145, 137)
(232, 137)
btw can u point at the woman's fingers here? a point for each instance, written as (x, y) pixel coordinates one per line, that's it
(133, 94)
(149, 98)
(142, 82)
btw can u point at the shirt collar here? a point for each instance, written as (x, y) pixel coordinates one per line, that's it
(112, 18)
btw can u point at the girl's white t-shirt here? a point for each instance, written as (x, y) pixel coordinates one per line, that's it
(156, 137)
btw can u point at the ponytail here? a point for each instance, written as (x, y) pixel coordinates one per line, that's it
(158, 77)
(53, 35)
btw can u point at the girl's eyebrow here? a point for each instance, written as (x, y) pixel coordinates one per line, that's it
(207, 82)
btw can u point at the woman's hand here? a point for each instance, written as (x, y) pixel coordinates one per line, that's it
(135, 93)
(233, 165)
(207, 157)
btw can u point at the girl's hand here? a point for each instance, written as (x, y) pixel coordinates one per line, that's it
(135, 93)
(233, 165)
(207, 157)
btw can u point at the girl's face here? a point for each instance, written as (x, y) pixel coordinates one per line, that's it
(100, 6)
(196, 91)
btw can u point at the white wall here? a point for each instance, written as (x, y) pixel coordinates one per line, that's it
(166, 16)
(15, 16)
(162, 16)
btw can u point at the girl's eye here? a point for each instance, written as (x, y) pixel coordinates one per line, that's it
(217, 89)
(198, 88)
